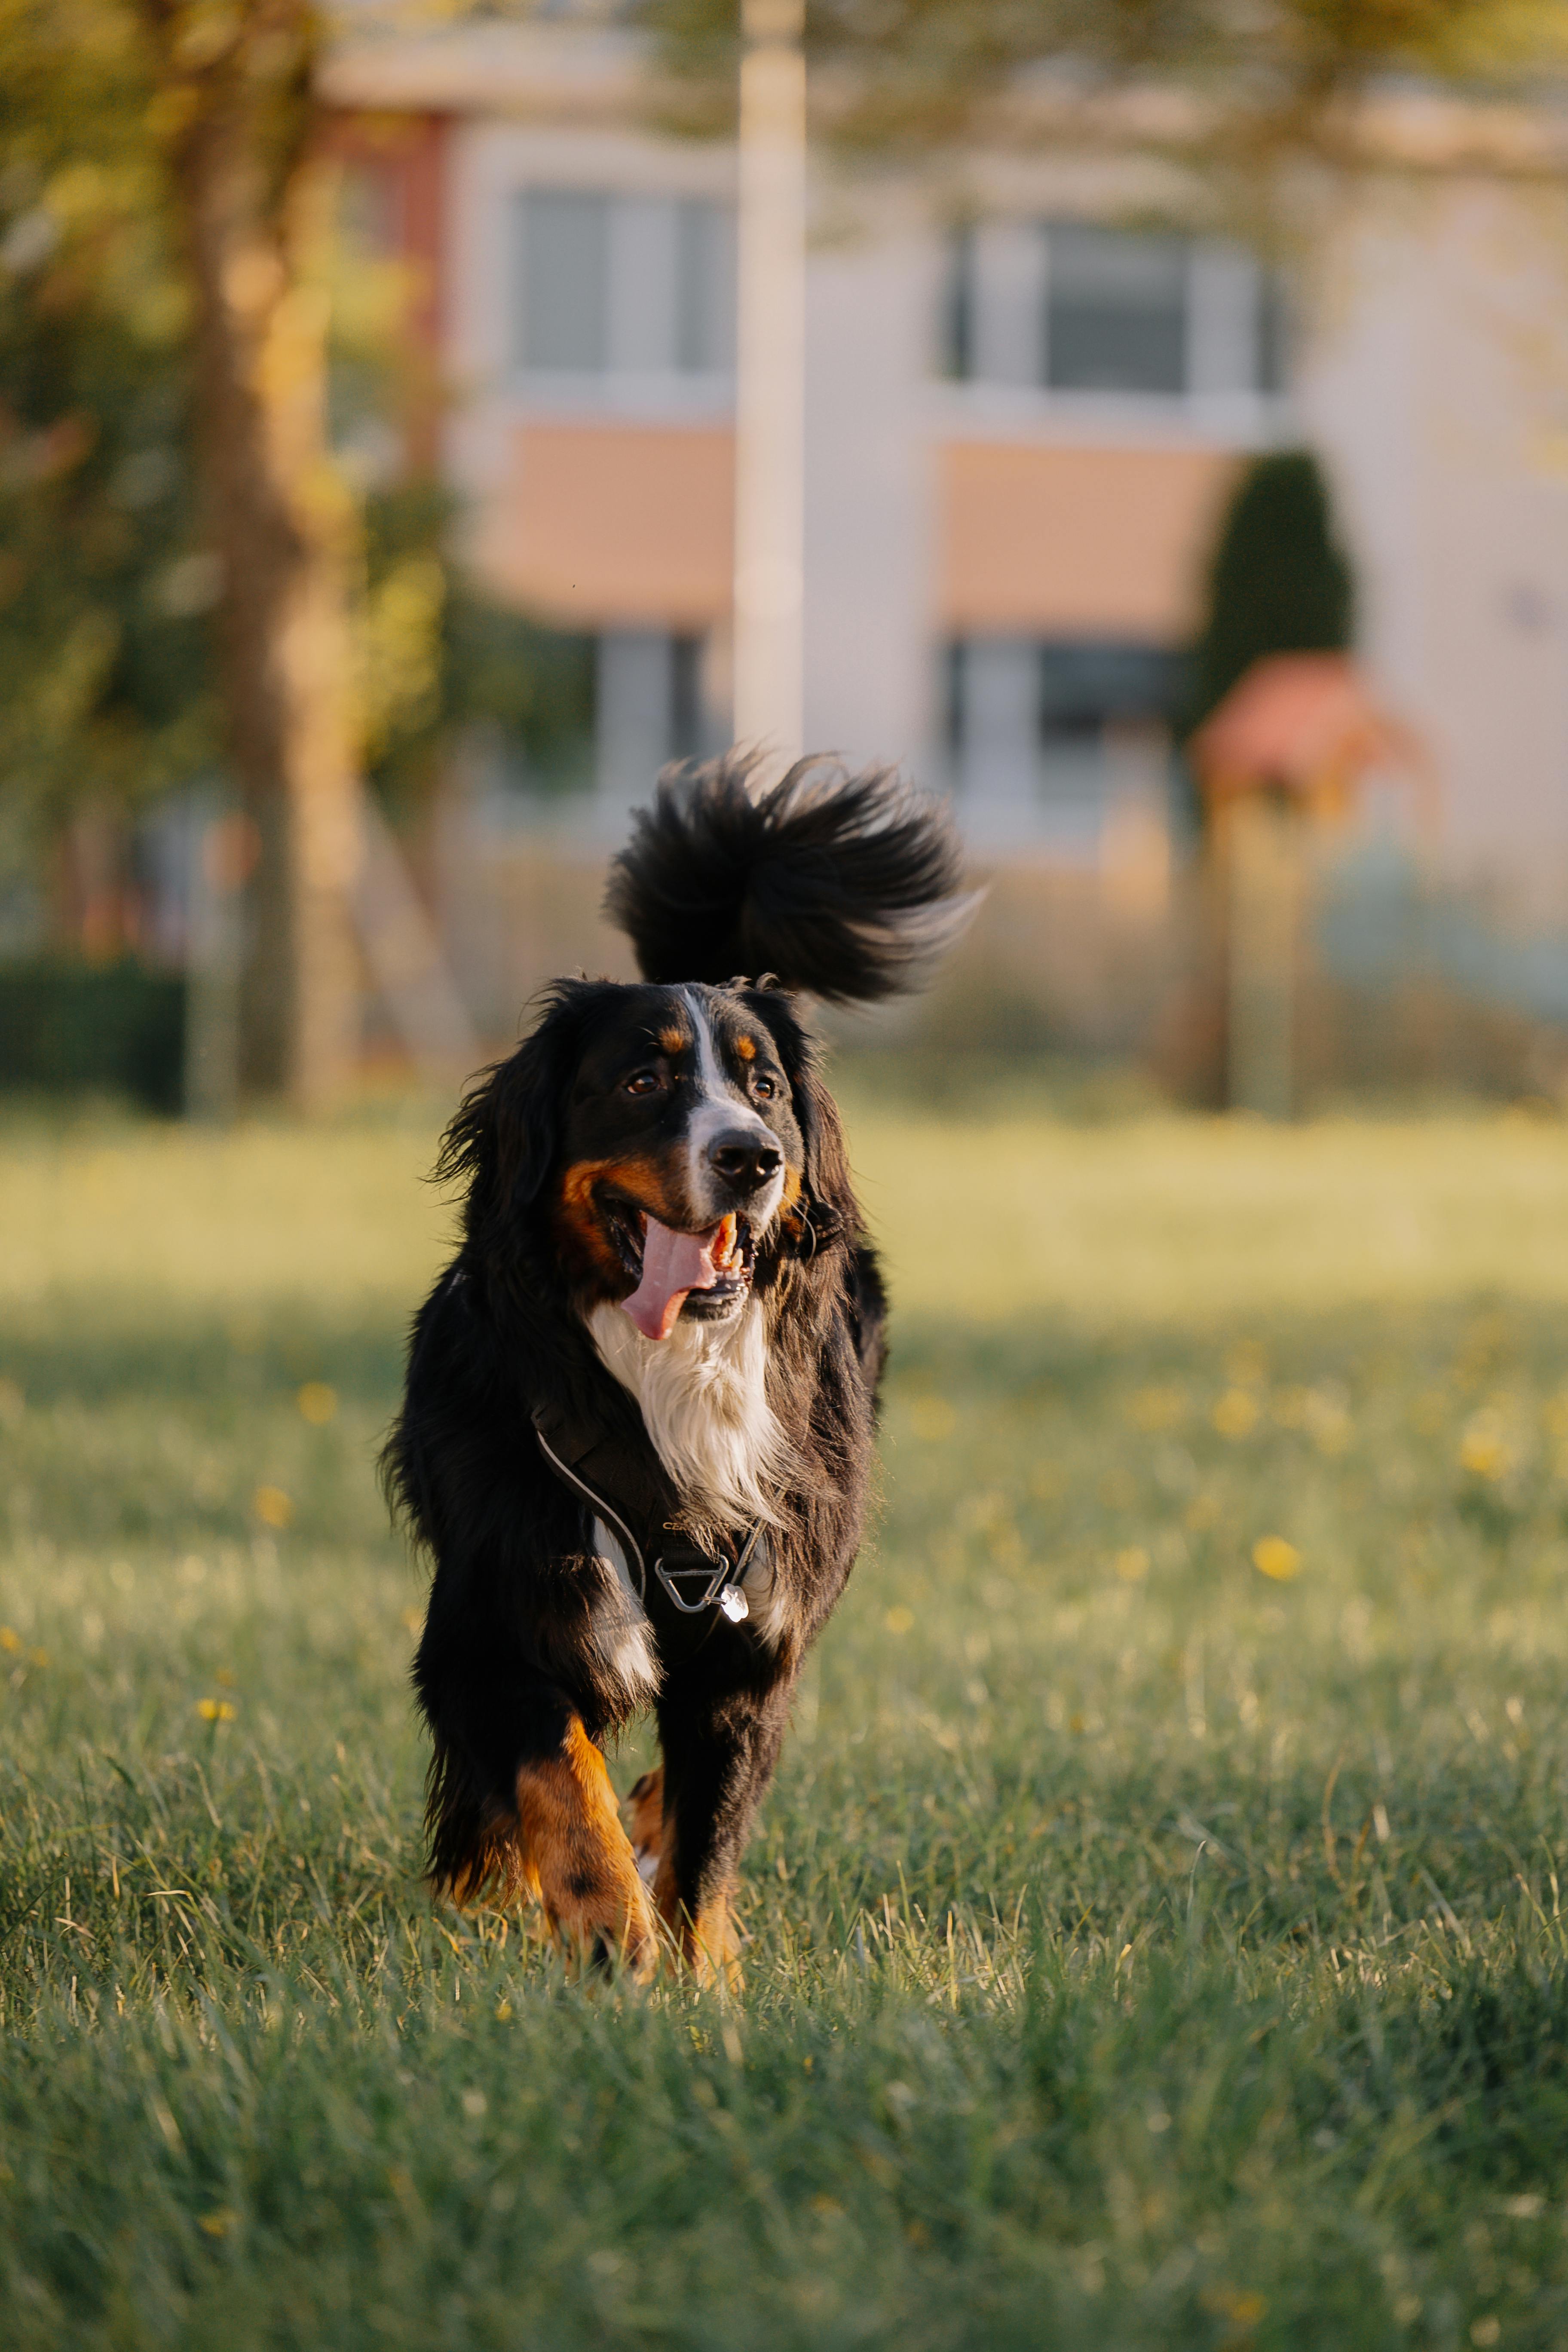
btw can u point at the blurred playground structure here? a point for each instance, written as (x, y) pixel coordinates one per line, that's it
(1034, 380)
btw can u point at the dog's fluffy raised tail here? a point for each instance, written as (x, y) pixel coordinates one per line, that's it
(848, 886)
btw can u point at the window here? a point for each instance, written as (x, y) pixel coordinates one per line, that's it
(656, 702)
(1272, 326)
(565, 280)
(704, 289)
(1088, 684)
(959, 357)
(1116, 312)
(1071, 308)
(616, 285)
(1032, 726)
(688, 714)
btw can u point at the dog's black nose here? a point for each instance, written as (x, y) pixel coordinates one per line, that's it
(746, 1161)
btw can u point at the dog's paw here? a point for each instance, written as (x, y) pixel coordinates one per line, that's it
(645, 1822)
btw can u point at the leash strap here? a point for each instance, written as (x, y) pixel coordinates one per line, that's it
(603, 1509)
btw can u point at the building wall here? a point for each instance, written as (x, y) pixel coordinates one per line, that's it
(871, 593)
(611, 524)
(946, 523)
(1437, 389)
(1057, 538)
(973, 507)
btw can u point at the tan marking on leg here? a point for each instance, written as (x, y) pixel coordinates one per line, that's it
(645, 1808)
(501, 1871)
(710, 1944)
(580, 1858)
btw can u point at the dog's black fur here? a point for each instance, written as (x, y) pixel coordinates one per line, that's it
(695, 1100)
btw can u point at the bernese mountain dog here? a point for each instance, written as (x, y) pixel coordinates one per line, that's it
(636, 1437)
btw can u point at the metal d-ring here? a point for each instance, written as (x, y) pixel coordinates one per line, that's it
(722, 1586)
(715, 1572)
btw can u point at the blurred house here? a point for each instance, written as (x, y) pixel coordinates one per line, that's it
(1029, 388)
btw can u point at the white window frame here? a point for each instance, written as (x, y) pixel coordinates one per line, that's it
(494, 165)
(1009, 315)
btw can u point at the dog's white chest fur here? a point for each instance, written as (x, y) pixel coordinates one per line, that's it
(704, 1394)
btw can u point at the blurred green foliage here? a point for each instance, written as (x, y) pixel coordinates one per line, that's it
(924, 69)
(476, 663)
(69, 1028)
(103, 687)
(108, 592)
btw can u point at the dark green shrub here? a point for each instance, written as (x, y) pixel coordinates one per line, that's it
(1280, 581)
(75, 1028)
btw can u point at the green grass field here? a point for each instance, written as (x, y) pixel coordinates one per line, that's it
(1154, 1933)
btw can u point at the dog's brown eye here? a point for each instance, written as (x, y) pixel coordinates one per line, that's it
(766, 1087)
(643, 1082)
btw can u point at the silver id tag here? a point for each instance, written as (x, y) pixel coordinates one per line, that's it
(733, 1602)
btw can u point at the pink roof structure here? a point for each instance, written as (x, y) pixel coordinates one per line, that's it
(1305, 725)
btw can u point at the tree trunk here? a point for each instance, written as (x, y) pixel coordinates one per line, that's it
(252, 191)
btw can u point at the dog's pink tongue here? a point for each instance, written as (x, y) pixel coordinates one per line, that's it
(672, 1264)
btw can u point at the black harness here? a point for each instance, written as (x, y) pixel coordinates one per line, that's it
(625, 1487)
(629, 1492)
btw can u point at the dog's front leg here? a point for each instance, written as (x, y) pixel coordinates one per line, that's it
(520, 1800)
(720, 1749)
(580, 1858)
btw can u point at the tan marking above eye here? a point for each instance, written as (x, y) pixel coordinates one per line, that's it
(673, 1041)
(747, 1048)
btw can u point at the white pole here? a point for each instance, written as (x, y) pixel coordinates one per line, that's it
(770, 389)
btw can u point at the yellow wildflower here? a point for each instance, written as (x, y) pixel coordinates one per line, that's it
(1236, 1414)
(1273, 1557)
(1240, 2305)
(1484, 1451)
(272, 1506)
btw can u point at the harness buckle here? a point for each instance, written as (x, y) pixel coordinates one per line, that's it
(715, 1584)
(719, 1581)
(707, 1573)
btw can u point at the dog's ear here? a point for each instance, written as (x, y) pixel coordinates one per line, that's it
(829, 1204)
(831, 1207)
(503, 1141)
